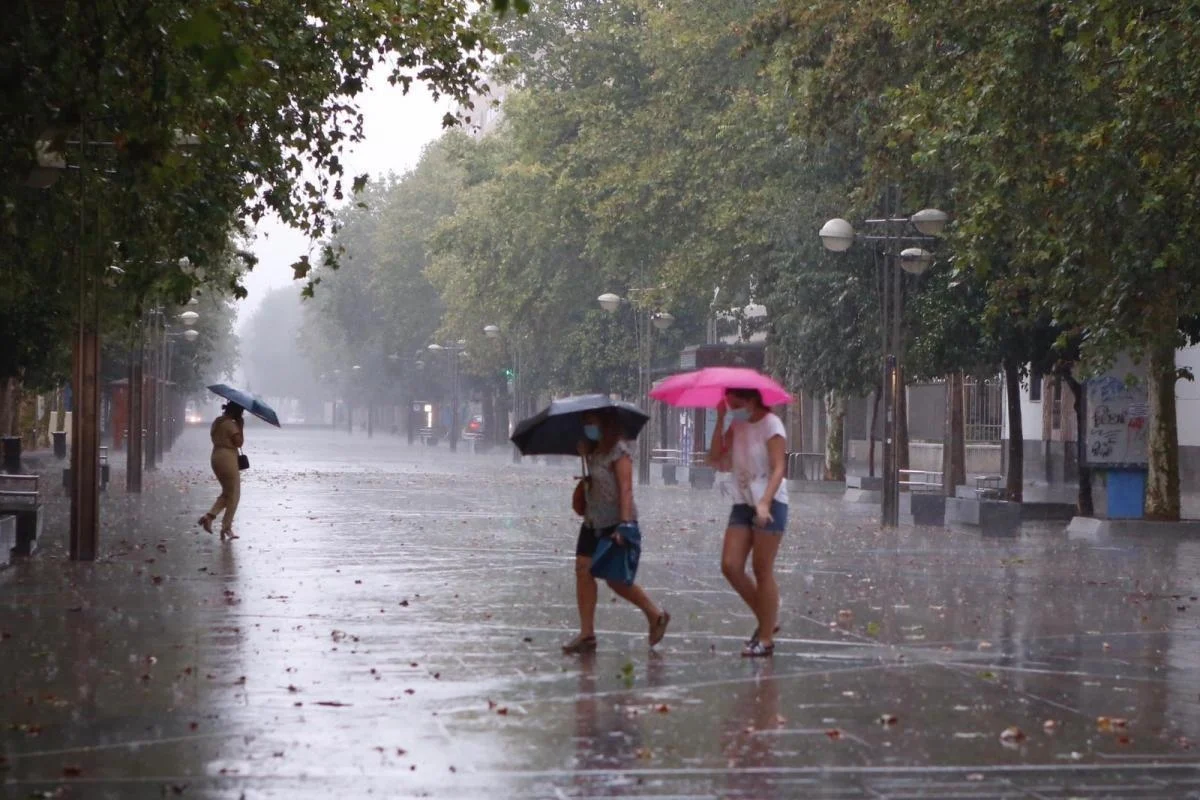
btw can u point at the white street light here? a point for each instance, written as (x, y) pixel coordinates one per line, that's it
(189, 318)
(915, 260)
(191, 334)
(662, 320)
(356, 368)
(609, 301)
(491, 331)
(930, 221)
(837, 235)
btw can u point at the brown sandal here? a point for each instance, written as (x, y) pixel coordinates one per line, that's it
(658, 628)
(579, 645)
(206, 522)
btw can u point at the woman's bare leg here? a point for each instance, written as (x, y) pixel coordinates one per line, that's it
(766, 547)
(738, 543)
(636, 595)
(585, 596)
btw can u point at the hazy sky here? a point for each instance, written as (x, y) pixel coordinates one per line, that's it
(397, 127)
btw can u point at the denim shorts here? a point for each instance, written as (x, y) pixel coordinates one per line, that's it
(742, 516)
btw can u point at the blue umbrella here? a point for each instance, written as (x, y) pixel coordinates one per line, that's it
(558, 428)
(247, 401)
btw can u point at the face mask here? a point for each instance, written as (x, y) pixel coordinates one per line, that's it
(592, 432)
(740, 415)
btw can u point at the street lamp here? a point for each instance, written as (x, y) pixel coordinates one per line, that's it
(838, 235)
(455, 350)
(645, 322)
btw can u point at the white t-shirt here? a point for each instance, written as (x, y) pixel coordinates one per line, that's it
(751, 460)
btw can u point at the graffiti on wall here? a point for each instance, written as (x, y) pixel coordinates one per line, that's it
(1118, 421)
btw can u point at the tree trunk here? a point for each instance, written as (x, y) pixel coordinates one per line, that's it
(835, 415)
(1015, 469)
(1162, 480)
(954, 440)
(16, 399)
(874, 432)
(1084, 505)
(902, 423)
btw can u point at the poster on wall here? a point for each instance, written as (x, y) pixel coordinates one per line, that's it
(1118, 420)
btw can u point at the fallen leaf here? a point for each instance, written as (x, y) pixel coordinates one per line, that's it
(1012, 734)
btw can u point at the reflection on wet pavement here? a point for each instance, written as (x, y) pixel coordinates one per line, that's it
(389, 625)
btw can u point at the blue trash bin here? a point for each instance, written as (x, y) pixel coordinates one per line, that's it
(1126, 493)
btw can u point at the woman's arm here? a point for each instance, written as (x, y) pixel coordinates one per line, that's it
(239, 436)
(722, 443)
(777, 458)
(623, 469)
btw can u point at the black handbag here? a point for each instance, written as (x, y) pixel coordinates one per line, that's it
(243, 461)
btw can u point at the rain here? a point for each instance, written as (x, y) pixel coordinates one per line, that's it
(428, 401)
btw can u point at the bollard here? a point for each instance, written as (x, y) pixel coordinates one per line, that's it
(12, 453)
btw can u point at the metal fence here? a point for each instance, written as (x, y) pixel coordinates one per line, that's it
(983, 407)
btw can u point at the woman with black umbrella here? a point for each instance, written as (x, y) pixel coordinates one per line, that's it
(610, 514)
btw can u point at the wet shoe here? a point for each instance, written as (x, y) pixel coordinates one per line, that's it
(758, 650)
(580, 644)
(228, 535)
(754, 636)
(658, 628)
(205, 522)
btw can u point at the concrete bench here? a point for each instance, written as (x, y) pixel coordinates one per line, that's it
(8, 538)
(863, 489)
(104, 472)
(973, 508)
(19, 498)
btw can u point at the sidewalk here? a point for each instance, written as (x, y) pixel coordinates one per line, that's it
(390, 627)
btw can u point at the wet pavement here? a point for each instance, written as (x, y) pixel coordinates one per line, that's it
(389, 626)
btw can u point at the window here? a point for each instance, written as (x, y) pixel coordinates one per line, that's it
(1035, 387)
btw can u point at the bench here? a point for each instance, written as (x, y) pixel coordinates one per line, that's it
(104, 472)
(922, 480)
(988, 487)
(19, 497)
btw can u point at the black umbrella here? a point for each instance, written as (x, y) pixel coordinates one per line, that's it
(557, 429)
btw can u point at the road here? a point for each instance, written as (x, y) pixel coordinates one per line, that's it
(389, 626)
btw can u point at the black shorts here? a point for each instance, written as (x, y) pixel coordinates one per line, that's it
(585, 545)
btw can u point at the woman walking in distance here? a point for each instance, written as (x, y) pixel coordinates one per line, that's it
(609, 511)
(227, 438)
(755, 449)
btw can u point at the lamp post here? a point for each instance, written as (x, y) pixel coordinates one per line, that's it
(645, 322)
(454, 350)
(891, 235)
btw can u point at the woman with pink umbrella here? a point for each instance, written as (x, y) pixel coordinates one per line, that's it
(754, 448)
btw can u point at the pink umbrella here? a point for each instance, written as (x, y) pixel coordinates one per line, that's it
(705, 388)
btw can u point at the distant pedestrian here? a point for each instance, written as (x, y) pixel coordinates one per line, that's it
(228, 436)
(609, 512)
(755, 450)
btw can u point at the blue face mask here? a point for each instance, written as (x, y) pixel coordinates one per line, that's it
(592, 432)
(740, 414)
